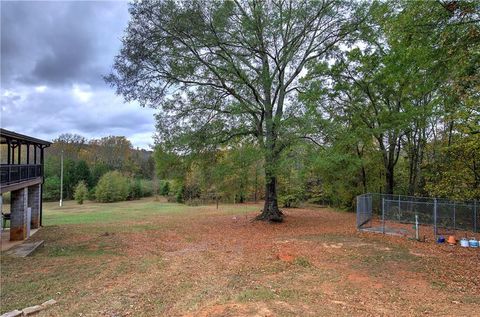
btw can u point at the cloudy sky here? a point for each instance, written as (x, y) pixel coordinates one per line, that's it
(53, 57)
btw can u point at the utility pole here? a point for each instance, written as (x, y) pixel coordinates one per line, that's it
(61, 180)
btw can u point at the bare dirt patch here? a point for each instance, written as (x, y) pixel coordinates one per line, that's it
(209, 262)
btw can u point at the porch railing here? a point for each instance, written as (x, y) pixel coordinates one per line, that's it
(10, 174)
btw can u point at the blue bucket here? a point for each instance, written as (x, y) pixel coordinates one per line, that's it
(472, 243)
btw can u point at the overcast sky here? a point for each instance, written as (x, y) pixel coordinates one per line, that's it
(53, 57)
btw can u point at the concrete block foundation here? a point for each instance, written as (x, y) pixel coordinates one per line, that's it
(18, 214)
(34, 197)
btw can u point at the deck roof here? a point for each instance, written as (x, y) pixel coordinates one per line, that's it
(6, 134)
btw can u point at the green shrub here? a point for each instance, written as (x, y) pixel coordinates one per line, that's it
(51, 188)
(165, 189)
(134, 189)
(179, 194)
(147, 187)
(111, 187)
(91, 194)
(81, 192)
(161, 183)
(184, 192)
(289, 201)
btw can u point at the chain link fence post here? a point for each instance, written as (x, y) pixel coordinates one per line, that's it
(454, 217)
(358, 212)
(399, 208)
(435, 219)
(475, 215)
(383, 215)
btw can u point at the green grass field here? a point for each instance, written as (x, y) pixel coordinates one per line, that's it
(90, 212)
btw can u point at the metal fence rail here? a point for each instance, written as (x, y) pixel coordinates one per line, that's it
(17, 173)
(414, 216)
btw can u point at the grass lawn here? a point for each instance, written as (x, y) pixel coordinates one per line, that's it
(151, 258)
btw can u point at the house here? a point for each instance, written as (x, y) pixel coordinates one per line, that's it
(21, 168)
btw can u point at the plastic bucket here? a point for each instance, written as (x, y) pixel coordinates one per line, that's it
(472, 243)
(464, 243)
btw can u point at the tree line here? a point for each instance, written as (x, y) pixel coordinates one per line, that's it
(87, 161)
(334, 98)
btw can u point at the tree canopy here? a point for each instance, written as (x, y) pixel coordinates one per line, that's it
(223, 71)
(336, 97)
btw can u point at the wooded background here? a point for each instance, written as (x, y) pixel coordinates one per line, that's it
(316, 101)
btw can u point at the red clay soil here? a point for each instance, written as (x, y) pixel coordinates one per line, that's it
(320, 263)
(314, 264)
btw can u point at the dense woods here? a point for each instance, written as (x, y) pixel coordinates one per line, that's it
(318, 101)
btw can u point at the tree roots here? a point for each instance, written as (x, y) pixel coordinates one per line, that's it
(271, 216)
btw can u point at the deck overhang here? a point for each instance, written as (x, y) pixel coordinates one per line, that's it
(20, 185)
(21, 174)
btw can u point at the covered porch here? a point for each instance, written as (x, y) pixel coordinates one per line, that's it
(21, 175)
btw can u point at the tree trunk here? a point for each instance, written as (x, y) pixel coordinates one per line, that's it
(390, 180)
(412, 166)
(364, 179)
(364, 173)
(390, 159)
(270, 210)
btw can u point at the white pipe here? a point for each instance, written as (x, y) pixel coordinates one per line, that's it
(61, 180)
(416, 227)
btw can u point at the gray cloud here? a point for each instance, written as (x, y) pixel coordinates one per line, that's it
(53, 56)
(93, 118)
(60, 42)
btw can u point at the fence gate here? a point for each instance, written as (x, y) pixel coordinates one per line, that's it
(364, 210)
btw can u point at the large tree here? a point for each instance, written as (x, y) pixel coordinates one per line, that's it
(409, 81)
(223, 70)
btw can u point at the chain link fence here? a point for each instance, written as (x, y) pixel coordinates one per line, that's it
(416, 217)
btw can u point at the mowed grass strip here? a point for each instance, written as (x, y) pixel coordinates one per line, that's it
(127, 211)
